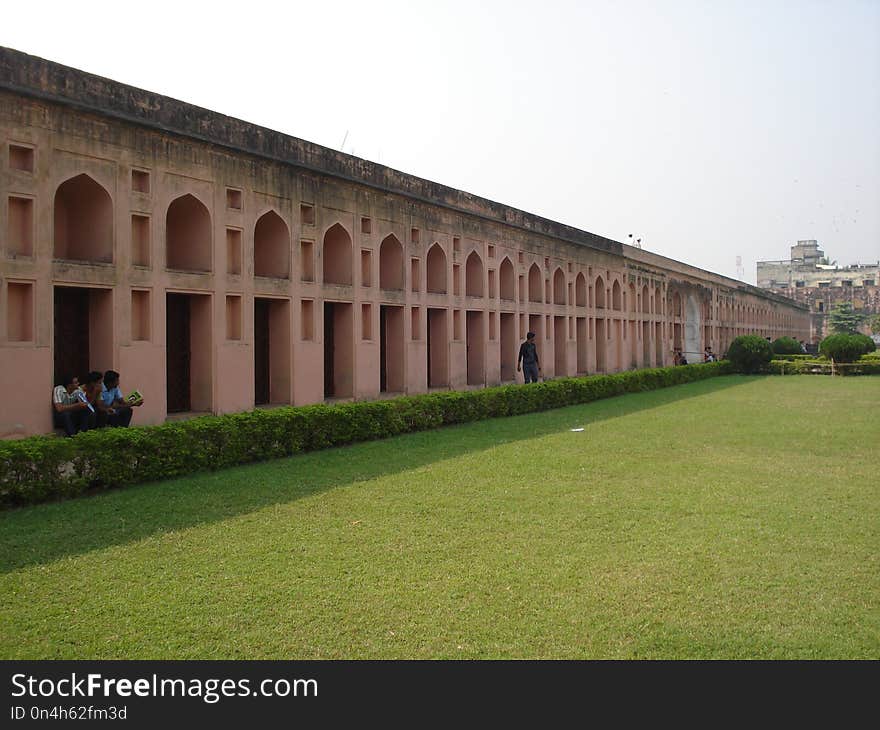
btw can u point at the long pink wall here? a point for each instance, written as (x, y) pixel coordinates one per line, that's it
(231, 192)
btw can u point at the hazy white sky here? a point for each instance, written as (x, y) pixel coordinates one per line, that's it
(709, 128)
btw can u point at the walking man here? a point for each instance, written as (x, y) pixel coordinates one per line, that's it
(528, 359)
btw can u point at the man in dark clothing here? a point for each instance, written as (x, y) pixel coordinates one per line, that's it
(528, 358)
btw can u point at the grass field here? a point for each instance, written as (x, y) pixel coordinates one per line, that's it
(730, 518)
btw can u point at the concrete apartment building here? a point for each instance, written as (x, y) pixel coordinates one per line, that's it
(221, 266)
(809, 278)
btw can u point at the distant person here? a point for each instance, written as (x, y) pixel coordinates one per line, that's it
(708, 356)
(528, 359)
(803, 348)
(70, 411)
(678, 358)
(116, 410)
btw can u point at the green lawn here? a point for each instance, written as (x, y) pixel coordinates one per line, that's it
(730, 518)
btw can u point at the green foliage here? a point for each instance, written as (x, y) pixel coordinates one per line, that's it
(843, 320)
(749, 354)
(793, 358)
(787, 346)
(46, 467)
(662, 531)
(874, 324)
(846, 348)
(864, 366)
(869, 344)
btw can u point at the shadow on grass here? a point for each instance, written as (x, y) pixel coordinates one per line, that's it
(43, 533)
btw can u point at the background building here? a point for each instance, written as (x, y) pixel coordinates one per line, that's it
(221, 266)
(810, 278)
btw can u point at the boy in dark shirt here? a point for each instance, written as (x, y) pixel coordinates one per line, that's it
(528, 358)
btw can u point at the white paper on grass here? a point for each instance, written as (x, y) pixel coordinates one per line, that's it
(577, 429)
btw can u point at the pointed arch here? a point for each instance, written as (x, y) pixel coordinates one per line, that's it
(536, 284)
(271, 246)
(600, 293)
(616, 296)
(188, 235)
(436, 270)
(676, 305)
(390, 263)
(646, 300)
(473, 275)
(83, 221)
(337, 256)
(580, 290)
(558, 286)
(507, 277)
(658, 301)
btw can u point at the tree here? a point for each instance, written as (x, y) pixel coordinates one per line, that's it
(786, 346)
(846, 348)
(843, 320)
(749, 353)
(874, 323)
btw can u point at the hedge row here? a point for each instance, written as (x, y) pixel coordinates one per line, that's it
(777, 356)
(822, 367)
(41, 468)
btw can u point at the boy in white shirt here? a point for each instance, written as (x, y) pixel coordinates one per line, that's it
(70, 412)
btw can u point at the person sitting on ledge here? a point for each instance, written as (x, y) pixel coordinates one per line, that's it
(90, 393)
(70, 411)
(115, 410)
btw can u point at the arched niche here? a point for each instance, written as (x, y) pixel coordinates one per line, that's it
(390, 263)
(337, 256)
(435, 265)
(536, 284)
(83, 221)
(580, 290)
(272, 247)
(188, 235)
(473, 273)
(558, 287)
(507, 278)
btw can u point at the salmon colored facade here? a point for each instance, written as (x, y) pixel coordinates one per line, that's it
(220, 266)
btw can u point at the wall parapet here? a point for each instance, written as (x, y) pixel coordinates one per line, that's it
(45, 80)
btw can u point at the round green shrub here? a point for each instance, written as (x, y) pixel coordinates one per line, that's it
(846, 348)
(869, 344)
(749, 353)
(787, 346)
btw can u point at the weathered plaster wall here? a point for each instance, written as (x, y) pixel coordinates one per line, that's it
(596, 304)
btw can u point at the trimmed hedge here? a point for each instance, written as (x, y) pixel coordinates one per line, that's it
(797, 357)
(823, 367)
(749, 354)
(786, 346)
(41, 468)
(846, 348)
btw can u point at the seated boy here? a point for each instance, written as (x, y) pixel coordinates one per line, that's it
(115, 407)
(90, 393)
(70, 411)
